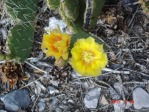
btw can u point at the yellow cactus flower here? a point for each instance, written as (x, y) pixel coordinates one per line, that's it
(88, 57)
(56, 44)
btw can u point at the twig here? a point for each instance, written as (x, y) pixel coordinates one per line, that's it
(35, 67)
(136, 82)
(40, 85)
(35, 103)
(133, 17)
(34, 81)
(116, 71)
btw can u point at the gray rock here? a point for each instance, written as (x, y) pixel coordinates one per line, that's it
(54, 102)
(92, 97)
(52, 90)
(141, 98)
(118, 87)
(3, 111)
(41, 106)
(63, 106)
(103, 100)
(58, 110)
(16, 100)
(54, 22)
(114, 95)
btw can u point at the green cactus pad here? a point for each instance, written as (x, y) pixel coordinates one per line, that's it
(53, 4)
(21, 41)
(92, 11)
(24, 10)
(70, 9)
(21, 36)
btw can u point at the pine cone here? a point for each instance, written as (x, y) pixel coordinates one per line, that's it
(12, 72)
(62, 74)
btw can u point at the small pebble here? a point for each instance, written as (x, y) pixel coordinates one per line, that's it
(141, 98)
(3, 111)
(58, 110)
(92, 97)
(54, 102)
(41, 106)
(52, 90)
(103, 100)
(114, 95)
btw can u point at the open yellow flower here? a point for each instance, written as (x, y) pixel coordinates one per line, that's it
(88, 57)
(56, 44)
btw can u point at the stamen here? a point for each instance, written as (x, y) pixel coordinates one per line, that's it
(88, 57)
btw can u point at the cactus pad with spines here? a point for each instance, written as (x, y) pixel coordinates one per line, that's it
(23, 10)
(53, 4)
(69, 11)
(21, 41)
(92, 11)
(72, 11)
(21, 36)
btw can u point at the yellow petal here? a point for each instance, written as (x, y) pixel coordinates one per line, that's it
(90, 40)
(103, 61)
(78, 66)
(76, 53)
(92, 72)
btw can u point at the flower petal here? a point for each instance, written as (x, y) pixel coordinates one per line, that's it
(78, 66)
(88, 57)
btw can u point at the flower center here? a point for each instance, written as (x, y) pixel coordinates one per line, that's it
(87, 56)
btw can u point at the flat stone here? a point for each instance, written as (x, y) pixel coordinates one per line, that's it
(16, 100)
(3, 111)
(58, 110)
(118, 87)
(141, 98)
(54, 22)
(114, 95)
(52, 90)
(41, 106)
(92, 97)
(54, 102)
(103, 100)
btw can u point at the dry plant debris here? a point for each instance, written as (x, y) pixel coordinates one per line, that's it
(123, 27)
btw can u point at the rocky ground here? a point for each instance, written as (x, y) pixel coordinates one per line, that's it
(123, 87)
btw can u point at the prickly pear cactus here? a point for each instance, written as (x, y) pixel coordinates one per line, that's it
(21, 36)
(24, 10)
(21, 41)
(69, 11)
(92, 11)
(72, 11)
(53, 4)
